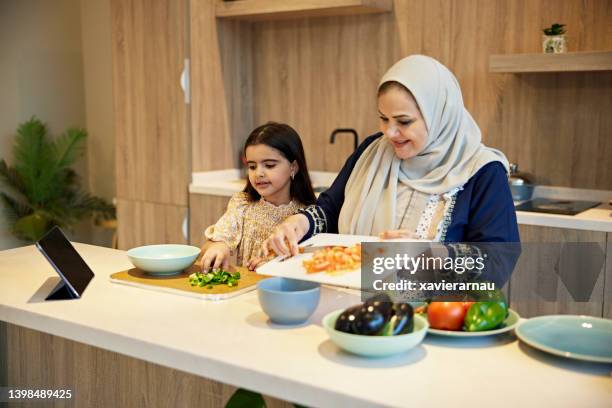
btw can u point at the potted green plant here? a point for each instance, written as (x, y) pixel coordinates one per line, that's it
(40, 190)
(249, 399)
(553, 40)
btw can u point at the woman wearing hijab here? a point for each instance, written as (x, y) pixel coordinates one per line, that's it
(426, 175)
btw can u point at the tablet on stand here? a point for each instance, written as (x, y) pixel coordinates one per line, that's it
(74, 273)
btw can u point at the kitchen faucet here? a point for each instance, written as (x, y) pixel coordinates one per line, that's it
(332, 137)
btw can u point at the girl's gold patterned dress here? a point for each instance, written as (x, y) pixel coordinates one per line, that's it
(246, 224)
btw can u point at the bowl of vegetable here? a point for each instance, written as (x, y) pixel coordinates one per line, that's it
(164, 260)
(288, 301)
(376, 328)
(488, 316)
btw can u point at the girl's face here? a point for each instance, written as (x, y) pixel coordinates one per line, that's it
(270, 173)
(402, 123)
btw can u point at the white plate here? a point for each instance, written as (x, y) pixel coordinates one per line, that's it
(293, 267)
(510, 323)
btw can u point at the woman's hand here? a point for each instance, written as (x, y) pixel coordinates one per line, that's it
(216, 256)
(395, 234)
(284, 240)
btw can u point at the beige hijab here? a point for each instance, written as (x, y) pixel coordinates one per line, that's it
(453, 152)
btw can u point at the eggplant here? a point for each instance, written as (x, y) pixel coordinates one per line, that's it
(345, 322)
(368, 318)
(403, 318)
(401, 322)
(369, 321)
(382, 304)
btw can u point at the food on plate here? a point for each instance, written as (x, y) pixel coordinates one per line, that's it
(486, 314)
(446, 315)
(213, 278)
(334, 259)
(377, 316)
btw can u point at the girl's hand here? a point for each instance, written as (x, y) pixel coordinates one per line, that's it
(395, 234)
(217, 256)
(284, 240)
(255, 263)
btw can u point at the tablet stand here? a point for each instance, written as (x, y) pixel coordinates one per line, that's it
(61, 292)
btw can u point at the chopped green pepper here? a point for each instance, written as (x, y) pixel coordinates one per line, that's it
(216, 277)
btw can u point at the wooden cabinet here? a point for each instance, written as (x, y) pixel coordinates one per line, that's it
(103, 378)
(152, 139)
(536, 289)
(146, 223)
(204, 210)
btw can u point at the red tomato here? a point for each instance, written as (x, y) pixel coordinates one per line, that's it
(446, 315)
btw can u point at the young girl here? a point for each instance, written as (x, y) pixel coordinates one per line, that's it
(278, 185)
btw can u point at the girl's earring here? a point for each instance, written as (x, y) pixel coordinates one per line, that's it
(292, 175)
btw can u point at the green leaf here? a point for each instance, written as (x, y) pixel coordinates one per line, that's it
(10, 178)
(33, 159)
(555, 29)
(245, 399)
(41, 181)
(15, 209)
(32, 227)
(69, 147)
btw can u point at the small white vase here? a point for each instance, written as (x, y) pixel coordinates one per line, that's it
(554, 44)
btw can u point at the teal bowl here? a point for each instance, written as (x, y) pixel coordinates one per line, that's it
(578, 337)
(375, 346)
(288, 301)
(163, 260)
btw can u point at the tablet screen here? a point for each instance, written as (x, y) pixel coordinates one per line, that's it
(65, 260)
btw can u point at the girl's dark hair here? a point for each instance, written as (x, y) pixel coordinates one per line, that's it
(285, 139)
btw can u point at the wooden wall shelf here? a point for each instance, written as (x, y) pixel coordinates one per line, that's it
(568, 62)
(285, 9)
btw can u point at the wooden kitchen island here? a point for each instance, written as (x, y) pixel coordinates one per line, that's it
(121, 346)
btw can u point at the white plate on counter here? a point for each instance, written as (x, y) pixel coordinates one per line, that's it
(294, 269)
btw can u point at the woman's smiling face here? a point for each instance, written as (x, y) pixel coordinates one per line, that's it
(401, 122)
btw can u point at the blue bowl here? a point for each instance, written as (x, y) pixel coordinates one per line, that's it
(163, 260)
(288, 301)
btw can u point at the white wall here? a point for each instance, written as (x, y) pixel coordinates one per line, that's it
(41, 74)
(98, 70)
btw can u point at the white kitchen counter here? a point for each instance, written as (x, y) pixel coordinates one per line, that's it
(295, 363)
(594, 219)
(228, 182)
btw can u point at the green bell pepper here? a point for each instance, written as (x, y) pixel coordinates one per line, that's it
(488, 312)
(483, 316)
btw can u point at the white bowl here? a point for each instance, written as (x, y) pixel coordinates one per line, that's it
(167, 259)
(375, 346)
